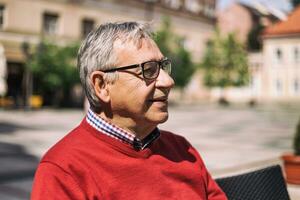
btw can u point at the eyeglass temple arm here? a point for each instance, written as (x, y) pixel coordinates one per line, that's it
(121, 68)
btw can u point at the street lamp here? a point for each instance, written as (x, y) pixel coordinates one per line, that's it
(27, 79)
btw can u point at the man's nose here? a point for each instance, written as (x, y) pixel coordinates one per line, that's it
(164, 80)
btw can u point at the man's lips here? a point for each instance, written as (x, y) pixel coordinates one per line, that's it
(159, 99)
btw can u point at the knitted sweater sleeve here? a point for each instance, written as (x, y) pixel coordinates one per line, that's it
(52, 182)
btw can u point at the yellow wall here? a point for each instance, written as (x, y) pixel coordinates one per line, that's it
(23, 20)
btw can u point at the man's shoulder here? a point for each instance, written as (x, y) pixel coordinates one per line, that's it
(171, 137)
(67, 146)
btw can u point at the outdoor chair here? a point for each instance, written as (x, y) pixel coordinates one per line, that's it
(262, 184)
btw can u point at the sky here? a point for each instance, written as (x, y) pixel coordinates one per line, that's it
(280, 4)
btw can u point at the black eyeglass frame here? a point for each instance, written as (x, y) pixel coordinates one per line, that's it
(142, 67)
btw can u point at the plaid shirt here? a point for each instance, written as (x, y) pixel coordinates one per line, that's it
(120, 134)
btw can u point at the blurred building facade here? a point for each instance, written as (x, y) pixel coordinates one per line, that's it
(24, 23)
(242, 18)
(281, 71)
(247, 22)
(275, 68)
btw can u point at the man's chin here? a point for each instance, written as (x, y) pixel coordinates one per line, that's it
(160, 117)
(164, 120)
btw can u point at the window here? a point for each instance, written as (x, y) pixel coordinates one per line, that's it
(50, 23)
(255, 84)
(193, 6)
(2, 10)
(87, 26)
(296, 55)
(278, 55)
(174, 4)
(278, 86)
(209, 10)
(297, 86)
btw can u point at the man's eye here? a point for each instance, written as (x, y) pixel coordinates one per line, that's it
(150, 66)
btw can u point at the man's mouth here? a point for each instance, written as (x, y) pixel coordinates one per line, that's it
(160, 99)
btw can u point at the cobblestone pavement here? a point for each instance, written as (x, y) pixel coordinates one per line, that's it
(230, 139)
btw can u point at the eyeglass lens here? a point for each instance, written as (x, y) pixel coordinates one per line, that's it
(151, 69)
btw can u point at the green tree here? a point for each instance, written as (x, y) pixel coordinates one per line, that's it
(296, 143)
(54, 72)
(225, 62)
(253, 41)
(171, 45)
(295, 3)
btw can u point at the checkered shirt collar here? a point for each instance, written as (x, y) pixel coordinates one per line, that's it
(118, 133)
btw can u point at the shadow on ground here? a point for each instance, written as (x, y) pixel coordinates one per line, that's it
(16, 166)
(8, 127)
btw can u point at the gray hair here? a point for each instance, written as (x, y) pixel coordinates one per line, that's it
(96, 52)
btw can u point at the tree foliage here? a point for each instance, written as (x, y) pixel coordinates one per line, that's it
(296, 143)
(295, 3)
(54, 71)
(225, 62)
(171, 45)
(253, 41)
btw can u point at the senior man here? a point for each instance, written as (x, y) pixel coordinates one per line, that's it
(117, 152)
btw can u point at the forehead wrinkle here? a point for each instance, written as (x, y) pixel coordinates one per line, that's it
(147, 43)
(123, 51)
(120, 44)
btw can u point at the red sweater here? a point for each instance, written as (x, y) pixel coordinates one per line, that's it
(86, 164)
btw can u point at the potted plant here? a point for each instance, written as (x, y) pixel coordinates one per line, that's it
(292, 161)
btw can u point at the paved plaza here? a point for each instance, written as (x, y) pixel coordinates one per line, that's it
(230, 139)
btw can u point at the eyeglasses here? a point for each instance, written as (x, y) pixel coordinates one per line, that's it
(150, 69)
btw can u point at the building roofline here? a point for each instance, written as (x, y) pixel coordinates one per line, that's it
(287, 27)
(182, 11)
(280, 35)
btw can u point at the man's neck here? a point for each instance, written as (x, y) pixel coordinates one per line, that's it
(138, 129)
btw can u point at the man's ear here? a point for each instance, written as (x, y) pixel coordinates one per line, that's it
(100, 86)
